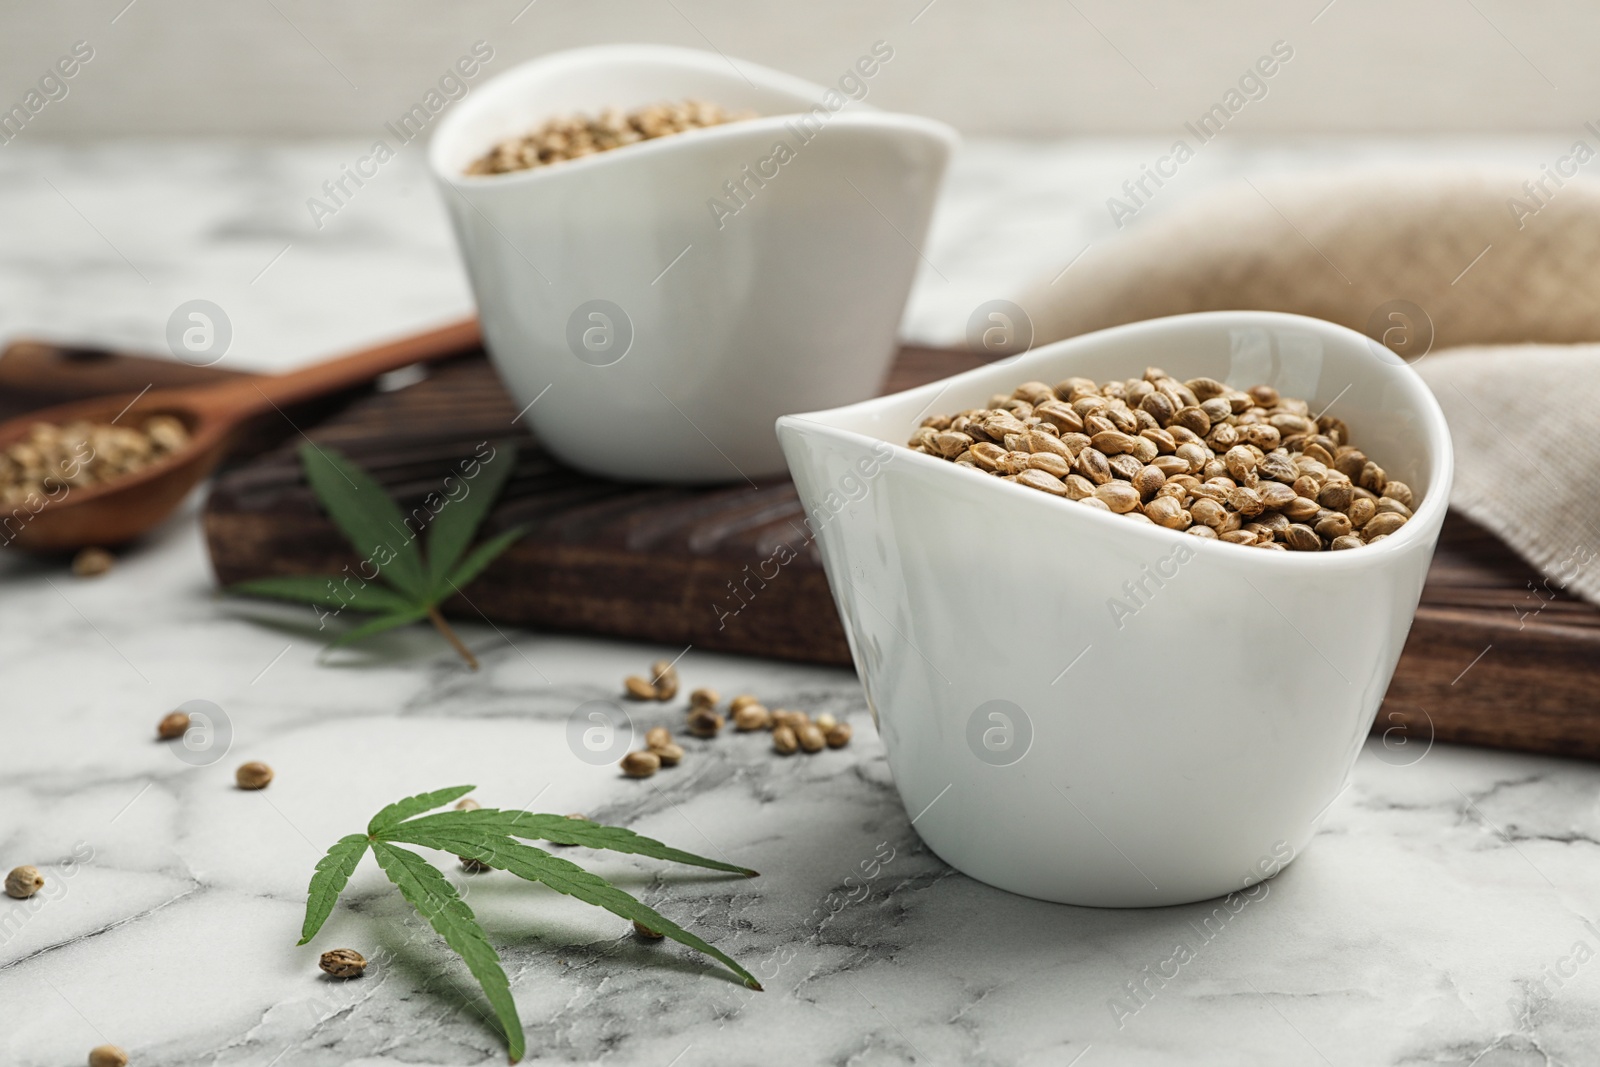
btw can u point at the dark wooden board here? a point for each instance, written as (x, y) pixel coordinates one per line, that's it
(1495, 657)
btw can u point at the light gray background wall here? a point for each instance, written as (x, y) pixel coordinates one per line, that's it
(1004, 67)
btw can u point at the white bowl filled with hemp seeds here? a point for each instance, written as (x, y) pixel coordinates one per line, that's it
(692, 244)
(1125, 606)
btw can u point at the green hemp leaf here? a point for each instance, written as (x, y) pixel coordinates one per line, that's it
(489, 836)
(415, 584)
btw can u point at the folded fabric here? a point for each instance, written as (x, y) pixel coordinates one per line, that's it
(1441, 265)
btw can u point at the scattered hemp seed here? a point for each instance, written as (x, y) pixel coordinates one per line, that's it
(343, 963)
(92, 562)
(751, 717)
(468, 864)
(173, 725)
(23, 882)
(638, 688)
(810, 737)
(704, 698)
(657, 736)
(670, 754)
(792, 719)
(253, 775)
(703, 722)
(640, 764)
(644, 933)
(784, 741)
(664, 676)
(826, 721)
(839, 735)
(107, 1056)
(740, 701)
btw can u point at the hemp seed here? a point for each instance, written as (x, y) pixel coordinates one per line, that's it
(638, 688)
(76, 455)
(811, 738)
(107, 1056)
(92, 562)
(576, 136)
(751, 717)
(23, 882)
(644, 933)
(468, 864)
(784, 741)
(838, 735)
(664, 676)
(173, 725)
(253, 775)
(640, 764)
(703, 722)
(670, 754)
(1197, 457)
(343, 963)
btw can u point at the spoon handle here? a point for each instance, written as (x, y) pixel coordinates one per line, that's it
(260, 393)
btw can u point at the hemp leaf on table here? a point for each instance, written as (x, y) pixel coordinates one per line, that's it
(415, 583)
(488, 835)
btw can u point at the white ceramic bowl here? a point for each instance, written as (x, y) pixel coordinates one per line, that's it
(788, 304)
(1049, 744)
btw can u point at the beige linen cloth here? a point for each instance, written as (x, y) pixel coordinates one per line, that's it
(1507, 272)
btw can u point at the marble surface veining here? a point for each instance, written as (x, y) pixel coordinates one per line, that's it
(1446, 913)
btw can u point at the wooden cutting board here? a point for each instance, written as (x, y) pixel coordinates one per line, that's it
(1494, 658)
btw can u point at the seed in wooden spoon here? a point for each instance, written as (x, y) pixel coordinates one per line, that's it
(81, 454)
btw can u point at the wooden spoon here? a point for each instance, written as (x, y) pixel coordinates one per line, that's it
(119, 510)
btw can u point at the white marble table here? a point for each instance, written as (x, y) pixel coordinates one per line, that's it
(1447, 912)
